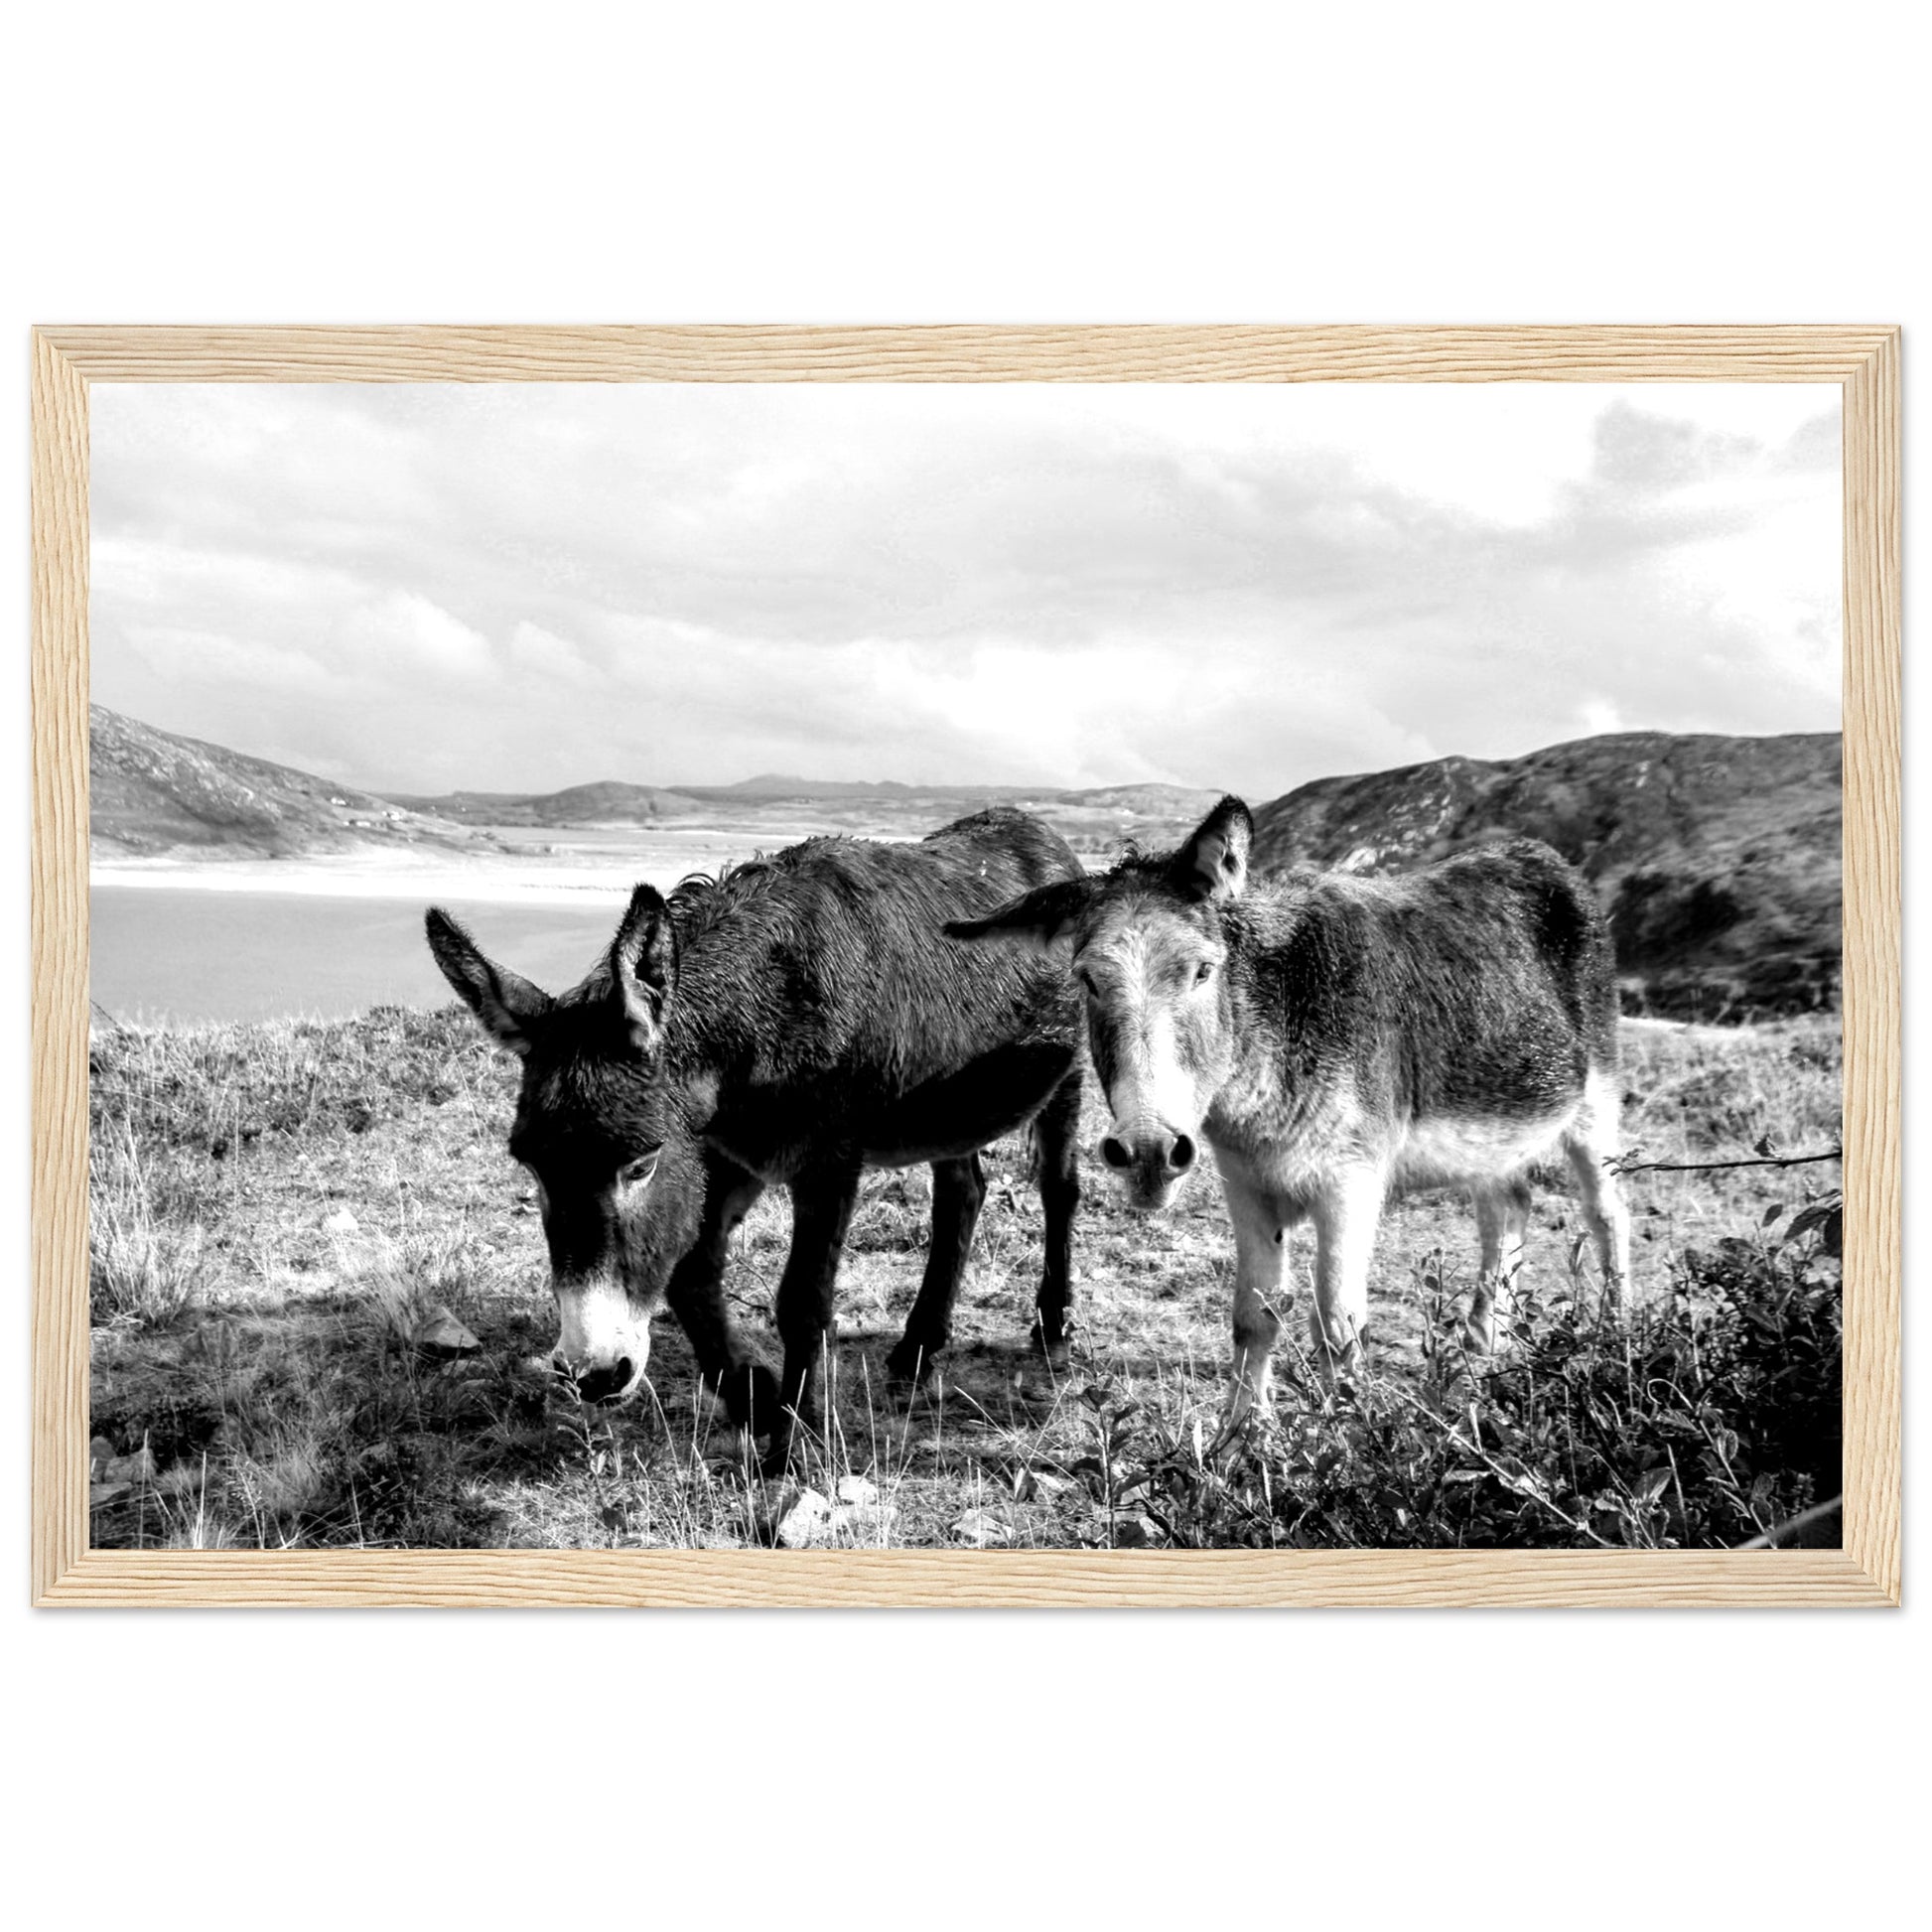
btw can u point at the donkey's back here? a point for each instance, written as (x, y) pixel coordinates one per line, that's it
(828, 967)
(1469, 996)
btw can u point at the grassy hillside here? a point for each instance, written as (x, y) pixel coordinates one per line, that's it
(152, 791)
(1719, 858)
(297, 1228)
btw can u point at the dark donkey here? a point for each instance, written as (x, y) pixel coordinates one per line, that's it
(795, 1020)
(1337, 1040)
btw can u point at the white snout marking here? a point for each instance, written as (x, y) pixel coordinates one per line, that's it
(1166, 1089)
(1151, 1089)
(598, 1326)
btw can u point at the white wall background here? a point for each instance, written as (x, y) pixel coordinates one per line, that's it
(1217, 163)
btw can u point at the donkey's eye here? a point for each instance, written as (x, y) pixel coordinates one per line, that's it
(634, 1173)
(1203, 972)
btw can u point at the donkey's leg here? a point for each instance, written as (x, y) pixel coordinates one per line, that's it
(1502, 1218)
(1260, 1261)
(1593, 1147)
(1057, 1148)
(1605, 1215)
(1347, 1215)
(958, 1189)
(696, 1295)
(821, 1211)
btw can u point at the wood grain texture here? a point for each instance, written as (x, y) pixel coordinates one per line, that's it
(1872, 717)
(60, 966)
(943, 1580)
(1864, 360)
(1139, 352)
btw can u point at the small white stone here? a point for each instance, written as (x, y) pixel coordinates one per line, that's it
(342, 1221)
(804, 1521)
(857, 1490)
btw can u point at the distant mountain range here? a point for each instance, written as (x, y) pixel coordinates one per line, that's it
(1717, 858)
(155, 792)
(606, 803)
(612, 802)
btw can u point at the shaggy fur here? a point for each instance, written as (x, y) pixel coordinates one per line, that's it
(1337, 1040)
(791, 1022)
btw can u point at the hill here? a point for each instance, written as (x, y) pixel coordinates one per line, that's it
(1717, 858)
(606, 801)
(152, 791)
(776, 809)
(156, 792)
(775, 785)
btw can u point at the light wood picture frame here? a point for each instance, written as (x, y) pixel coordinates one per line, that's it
(1863, 360)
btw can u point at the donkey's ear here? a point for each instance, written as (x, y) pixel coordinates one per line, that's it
(643, 965)
(507, 1004)
(1213, 864)
(1043, 917)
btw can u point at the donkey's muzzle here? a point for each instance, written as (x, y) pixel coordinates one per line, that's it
(1150, 1164)
(610, 1383)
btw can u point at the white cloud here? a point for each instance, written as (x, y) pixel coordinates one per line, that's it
(542, 656)
(403, 635)
(1242, 585)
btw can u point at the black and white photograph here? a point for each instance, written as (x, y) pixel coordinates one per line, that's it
(995, 966)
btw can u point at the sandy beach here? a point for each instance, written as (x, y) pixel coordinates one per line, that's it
(574, 871)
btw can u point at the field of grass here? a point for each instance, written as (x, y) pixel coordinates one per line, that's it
(283, 1214)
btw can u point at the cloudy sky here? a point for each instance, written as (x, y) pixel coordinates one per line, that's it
(523, 587)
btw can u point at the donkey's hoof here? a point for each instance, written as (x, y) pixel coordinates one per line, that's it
(751, 1393)
(914, 1363)
(787, 1447)
(1056, 1352)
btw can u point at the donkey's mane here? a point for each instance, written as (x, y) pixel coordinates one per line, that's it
(1137, 862)
(701, 898)
(697, 903)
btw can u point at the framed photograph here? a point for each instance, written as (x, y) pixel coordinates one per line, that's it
(966, 966)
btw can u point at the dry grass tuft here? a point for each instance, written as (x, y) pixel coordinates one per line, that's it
(141, 1268)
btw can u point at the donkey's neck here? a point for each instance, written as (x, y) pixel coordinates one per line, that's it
(1283, 1042)
(740, 1017)
(710, 1025)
